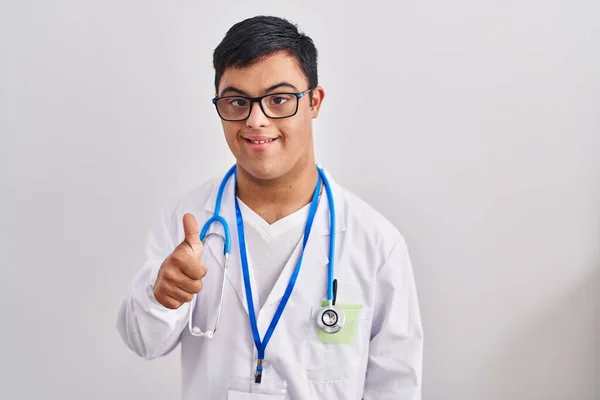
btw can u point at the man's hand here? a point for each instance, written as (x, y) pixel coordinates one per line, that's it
(180, 275)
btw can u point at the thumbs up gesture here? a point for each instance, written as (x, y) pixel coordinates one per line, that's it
(180, 275)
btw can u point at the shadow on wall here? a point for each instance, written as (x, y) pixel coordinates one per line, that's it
(554, 356)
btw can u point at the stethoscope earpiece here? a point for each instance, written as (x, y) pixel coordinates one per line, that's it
(195, 331)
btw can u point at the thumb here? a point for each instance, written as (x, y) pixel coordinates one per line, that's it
(192, 234)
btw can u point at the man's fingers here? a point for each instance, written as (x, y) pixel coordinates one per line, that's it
(186, 267)
(190, 285)
(194, 269)
(190, 229)
(180, 295)
(192, 234)
(181, 280)
(171, 302)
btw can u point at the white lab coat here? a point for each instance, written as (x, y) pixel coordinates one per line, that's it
(373, 269)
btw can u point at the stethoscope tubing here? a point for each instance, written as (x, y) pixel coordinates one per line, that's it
(217, 218)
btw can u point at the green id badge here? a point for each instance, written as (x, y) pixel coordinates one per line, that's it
(348, 332)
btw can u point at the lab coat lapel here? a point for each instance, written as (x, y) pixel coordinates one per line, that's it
(215, 246)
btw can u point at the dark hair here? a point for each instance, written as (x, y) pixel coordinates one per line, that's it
(255, 38)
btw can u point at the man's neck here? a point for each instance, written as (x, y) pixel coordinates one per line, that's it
(274, 200)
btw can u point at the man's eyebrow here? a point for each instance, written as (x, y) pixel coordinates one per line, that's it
(234, 90)
(280, 85)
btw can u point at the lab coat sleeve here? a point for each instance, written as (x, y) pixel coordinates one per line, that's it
(396, 349)
(148, 328)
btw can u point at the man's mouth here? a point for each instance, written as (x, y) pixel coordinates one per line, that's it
(260, 141)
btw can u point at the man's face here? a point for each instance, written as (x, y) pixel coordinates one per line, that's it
(289, 142)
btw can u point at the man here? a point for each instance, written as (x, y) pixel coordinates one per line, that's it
(277, 205)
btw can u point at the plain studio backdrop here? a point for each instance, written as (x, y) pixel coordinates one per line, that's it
(474, 126)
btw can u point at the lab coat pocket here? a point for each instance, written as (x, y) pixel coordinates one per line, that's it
(337, 356)
(347, 334)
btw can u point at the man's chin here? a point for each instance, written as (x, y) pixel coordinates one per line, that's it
(261, 171)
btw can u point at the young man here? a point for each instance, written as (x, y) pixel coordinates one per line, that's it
(322, 307)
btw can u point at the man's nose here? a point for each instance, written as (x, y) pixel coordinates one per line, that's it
(257, 118)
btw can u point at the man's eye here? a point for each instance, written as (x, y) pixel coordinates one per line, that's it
(238, 102)
(278, 100)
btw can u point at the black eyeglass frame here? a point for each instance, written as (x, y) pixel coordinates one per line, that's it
(258, 100)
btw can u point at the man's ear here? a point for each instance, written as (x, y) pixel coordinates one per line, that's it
(318, 94)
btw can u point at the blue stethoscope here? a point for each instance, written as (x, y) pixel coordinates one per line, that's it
(330, 318)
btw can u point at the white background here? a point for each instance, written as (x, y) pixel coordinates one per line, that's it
(473, 125)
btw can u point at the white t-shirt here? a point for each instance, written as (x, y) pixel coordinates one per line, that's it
(269, 246)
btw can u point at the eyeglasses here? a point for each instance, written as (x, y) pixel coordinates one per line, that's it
(274, 106)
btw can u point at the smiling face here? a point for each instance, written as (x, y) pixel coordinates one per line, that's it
(268, 149)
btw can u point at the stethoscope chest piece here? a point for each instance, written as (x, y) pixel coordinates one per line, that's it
(331, 319)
